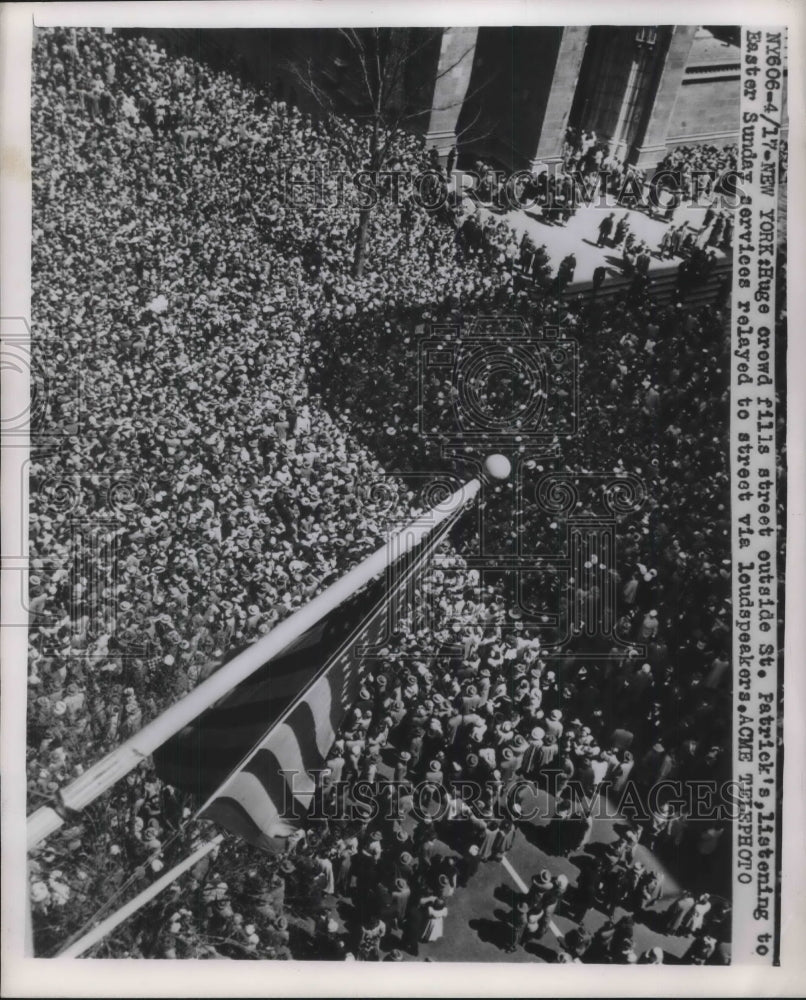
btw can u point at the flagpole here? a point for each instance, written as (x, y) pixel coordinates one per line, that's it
(100, 932)
(101, 776)
(407, 573)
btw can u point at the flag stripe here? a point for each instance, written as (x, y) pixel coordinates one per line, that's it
(266, 768)
(344, 682)
(301, 740)
(200, 757)
(250, 791)
(232, 814)
(302, 721)
(282, 682)
(287, 751)
(263, 707)
(319, 705)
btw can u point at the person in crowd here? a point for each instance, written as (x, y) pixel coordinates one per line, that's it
(605, 229)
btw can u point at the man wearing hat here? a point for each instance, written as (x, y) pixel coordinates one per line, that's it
(701, 949)
(401, 892)
(553, 724)
(534, 928)
(469, 863)
(487, 834)
(577, 941)
(401, 842)
(649, 889)
(621, 739)
(372, 931)
(693, 921)
(611, 887)
(483, 685)
(551, 752)
(445, 884)
(503, 733)
(649, 627)
(551, 900)
(416, 733)
(414, 924)
(533, 758)
(518, 918)
(630, 881)
(599, 950)
(623, 849)
(382, 902)
(405, 866)
(433, 779)
(329, 941)
(584, 895)
(519, 747)
(473, 770)
(288, 870)
(428, 846)
(654, 765)
(346, 849)
(368, 859)
(402, 766)
(433, 739)
(470, 699)
(489, 758)
(499, 698)
(508, 766)
(539, 888)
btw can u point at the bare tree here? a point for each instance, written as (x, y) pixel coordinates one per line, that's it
(375, 77)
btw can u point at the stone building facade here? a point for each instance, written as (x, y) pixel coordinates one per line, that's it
(644, 89)
(508, 94)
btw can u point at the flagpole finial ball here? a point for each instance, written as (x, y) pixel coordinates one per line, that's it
(497, 466)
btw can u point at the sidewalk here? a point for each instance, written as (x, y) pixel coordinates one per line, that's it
(478, 915)
(582, 230)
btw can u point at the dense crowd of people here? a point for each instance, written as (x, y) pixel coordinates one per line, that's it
(242, 397)
(211, 441)
(223, 494)
(464, 716)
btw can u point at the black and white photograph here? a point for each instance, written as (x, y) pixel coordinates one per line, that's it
(400, 538)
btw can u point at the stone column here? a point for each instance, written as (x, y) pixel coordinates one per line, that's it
(561, 95)
(650, 143)
(455, 65)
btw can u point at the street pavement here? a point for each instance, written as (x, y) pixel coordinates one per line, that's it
(579, 235)
(477, 925)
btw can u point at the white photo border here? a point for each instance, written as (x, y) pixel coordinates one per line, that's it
(23, 976)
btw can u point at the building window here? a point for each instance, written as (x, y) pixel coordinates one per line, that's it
(647, 36)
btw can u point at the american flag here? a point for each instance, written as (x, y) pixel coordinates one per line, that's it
(265, 799)
(287, 716)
